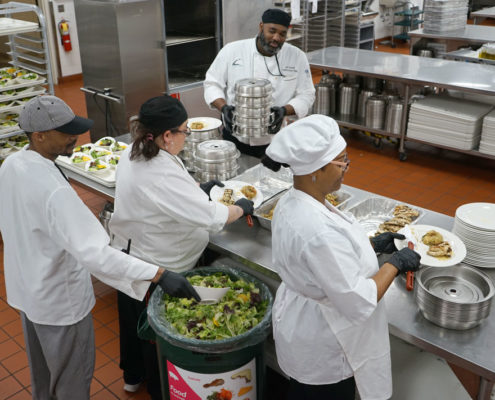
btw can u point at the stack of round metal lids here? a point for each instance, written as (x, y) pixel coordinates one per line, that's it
(455, 297)
(253, 101)
(475, 224)
(216, 159)
(202, 129)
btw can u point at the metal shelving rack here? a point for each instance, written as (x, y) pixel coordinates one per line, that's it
(413, 73)
(325, 27)
(409, 22)
(29, 50)
(359, 34)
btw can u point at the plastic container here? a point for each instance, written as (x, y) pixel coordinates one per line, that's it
(193, 369)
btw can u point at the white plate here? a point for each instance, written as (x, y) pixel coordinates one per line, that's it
(458, 247)
(208, 122)
(477, 215)
(216, 193)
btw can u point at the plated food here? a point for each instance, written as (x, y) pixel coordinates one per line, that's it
(100, 152)
(235, 190)
(118, 147)
(80, 159)
(241, 309)
(112, 160)
(96, 166)
(85, 148)
(437, 247)
(197, 125)
(106, 141)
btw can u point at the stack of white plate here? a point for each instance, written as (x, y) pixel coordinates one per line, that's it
(447, 121)
(475, 225)
(487, 143)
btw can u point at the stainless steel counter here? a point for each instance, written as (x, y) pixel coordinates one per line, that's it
(471, 33)
(473, 349)
(484, 13)
(409, 69)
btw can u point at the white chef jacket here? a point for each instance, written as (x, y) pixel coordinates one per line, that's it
(316, 254)
(241, 59)
(163, 210)
(52, 244)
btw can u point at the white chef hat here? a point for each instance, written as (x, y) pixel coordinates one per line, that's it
(307, 144)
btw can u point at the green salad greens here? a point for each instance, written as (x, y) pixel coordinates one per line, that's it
(240, 309)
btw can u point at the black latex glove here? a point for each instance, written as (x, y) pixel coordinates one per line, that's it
(207, 186)
(227, 114)
(278, 117)
(176, 285)
(246, 205)
(384, 242)
(405, 260)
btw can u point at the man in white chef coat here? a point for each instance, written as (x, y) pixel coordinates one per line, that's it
(266, 56)
(53, 243)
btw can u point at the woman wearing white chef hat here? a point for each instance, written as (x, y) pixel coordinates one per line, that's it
(329, 325)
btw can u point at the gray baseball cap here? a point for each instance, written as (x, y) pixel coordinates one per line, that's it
(46, 113)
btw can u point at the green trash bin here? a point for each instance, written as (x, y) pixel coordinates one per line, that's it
(193, 369)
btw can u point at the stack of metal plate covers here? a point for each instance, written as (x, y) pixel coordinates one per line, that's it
(216, 159)
(202, 129)
(253, 101)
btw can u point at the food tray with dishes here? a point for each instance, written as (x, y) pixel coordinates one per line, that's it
(265, 212)
(376, 215)
(97, 161)
(235, 190)
(269, 182)
(8, 123)
(22, 94)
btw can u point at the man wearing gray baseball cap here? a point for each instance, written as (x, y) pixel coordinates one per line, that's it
(52, 246)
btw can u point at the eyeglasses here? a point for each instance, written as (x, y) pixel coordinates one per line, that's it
(342, 164)
(186, 131)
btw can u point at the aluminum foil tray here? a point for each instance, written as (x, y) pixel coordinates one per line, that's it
(265, 208)
(269, 182)
(373, 211)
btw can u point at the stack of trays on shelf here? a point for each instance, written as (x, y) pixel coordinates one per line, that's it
(447, 121)
(487, 143)
(445, 15)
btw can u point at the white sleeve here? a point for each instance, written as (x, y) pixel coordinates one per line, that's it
(335, 266)
(184, 201)
(304, 96)
(78, 231)
(215, 83)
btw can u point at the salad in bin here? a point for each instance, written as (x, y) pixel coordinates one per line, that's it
(241, 309)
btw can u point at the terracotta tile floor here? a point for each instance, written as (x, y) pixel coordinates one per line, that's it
(436, 179)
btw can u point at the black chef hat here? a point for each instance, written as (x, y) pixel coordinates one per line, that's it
(276, 16)
(162, 112)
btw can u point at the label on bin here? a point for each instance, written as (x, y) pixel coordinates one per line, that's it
(236, 384)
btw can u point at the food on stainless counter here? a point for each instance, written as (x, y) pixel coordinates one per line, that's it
(227, 198)
(197, 125)
(269, 214)
(249, 191)
(442, 249)
(244, 390)
(245, 373)
(222, 395)
(214, 382)
(403, 215)
(405, 211)
(432, 238)
(241, 309)
(332, 199)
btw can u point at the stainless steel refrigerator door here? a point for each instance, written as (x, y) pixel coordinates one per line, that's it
(121, 49)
